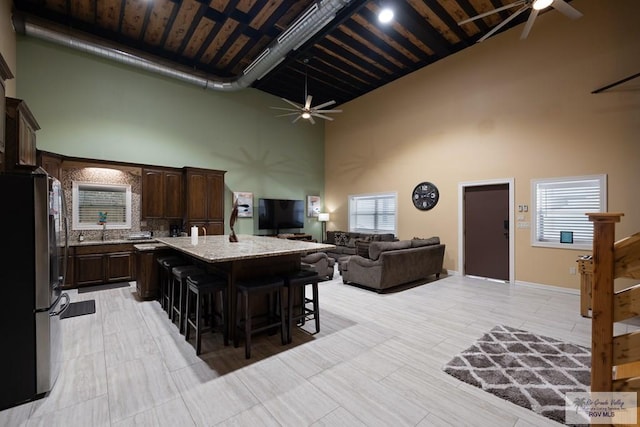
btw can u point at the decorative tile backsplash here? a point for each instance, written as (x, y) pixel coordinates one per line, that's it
(110, 176)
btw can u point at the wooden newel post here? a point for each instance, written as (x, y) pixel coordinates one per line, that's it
(602, 309)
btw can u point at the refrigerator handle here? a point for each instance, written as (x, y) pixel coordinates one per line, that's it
(66, 240)
(62, 307)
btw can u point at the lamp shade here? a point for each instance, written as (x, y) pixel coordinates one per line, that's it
(323, 217)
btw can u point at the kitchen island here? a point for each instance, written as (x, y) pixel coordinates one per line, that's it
(218, 249)
(251, 256)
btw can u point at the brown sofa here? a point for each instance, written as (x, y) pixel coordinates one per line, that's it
(351, 243)
(394, 263)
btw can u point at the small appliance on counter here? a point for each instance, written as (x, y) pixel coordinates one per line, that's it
(174, 230)
(140, 235)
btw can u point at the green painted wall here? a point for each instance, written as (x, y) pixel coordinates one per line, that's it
(94, 108)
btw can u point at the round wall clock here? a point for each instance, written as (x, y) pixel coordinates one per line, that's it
(425, 196)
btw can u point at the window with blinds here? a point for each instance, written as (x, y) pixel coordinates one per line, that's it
(373, 213)
(95, 205)
(561, 204)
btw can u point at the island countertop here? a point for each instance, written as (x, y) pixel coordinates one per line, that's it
(219, 249)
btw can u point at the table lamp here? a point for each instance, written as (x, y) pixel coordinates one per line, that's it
(323, 217)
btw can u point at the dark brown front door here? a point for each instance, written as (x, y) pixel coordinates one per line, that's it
(486, 231)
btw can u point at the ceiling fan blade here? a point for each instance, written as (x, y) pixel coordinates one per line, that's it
(285, 109)
(296, 119)
(567, 10)
(529, 24)
(313, 122)
(503, 23)
(326, 111)
(298, 106)
(287, 114)
(326, 104)
(491, 12)
(322, 116)
(307, 104)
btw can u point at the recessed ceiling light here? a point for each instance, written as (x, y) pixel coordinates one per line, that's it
(385, 15)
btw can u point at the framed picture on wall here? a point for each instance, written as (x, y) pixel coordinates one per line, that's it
(245, 203)
(313, 206)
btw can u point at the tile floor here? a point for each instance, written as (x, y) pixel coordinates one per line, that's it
(377, 362)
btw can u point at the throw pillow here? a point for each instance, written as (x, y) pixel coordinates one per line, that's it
(351, 243)
(341, 239)
(417, 242)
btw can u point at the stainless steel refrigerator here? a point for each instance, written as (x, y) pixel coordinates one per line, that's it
(32, 266)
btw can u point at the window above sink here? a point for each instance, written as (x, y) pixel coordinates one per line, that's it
(97, 206)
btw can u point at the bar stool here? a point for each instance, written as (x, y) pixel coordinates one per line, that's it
(245, 291)
(299, 280)
(203, 288)
(162, 277)
(166, 282)
(179, 291)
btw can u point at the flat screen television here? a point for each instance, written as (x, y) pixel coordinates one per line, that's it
(280, 214)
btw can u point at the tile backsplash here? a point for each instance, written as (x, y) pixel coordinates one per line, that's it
(111, 176)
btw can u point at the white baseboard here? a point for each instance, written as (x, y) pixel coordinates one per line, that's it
(530, 285)
(548, 287)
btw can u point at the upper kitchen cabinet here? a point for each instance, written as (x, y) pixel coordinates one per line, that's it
(52, 163)
(5, 74)
(204, 196)
(20, 132)
(162, 193)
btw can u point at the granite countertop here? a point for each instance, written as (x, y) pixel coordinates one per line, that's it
(219, 249)
(109, 242)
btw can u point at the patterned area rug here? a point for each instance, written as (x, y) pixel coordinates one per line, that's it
(530, 370)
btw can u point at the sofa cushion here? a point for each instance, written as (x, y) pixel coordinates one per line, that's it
(386, 237)
(417, 242)
(362, 247)
(376, 248)
(351, 243)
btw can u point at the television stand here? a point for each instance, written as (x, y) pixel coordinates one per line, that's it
(295, 236)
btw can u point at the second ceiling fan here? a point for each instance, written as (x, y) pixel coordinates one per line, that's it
(306, 111)
(535, 5)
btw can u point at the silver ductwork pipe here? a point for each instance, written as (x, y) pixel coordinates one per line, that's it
(302, 29)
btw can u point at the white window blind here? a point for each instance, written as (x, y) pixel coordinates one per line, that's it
(373, 213)
(561, 204)
(90, 200)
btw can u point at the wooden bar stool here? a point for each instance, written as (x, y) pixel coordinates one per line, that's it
(298, 281)
(203, 289)
(246, 290)
(179, 292)
(164, 275)
(166, 283)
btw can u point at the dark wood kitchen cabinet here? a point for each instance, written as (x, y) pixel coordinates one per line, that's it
(204, 199)
(52, 163)
(20, 134)
(147, 280)
(5, 74)
(162, 193)
(99, 264)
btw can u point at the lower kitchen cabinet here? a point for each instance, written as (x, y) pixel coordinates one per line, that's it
(147, 269)
(102, 263)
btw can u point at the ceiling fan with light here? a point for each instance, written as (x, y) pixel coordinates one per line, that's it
(535, 5)
(306, 111)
